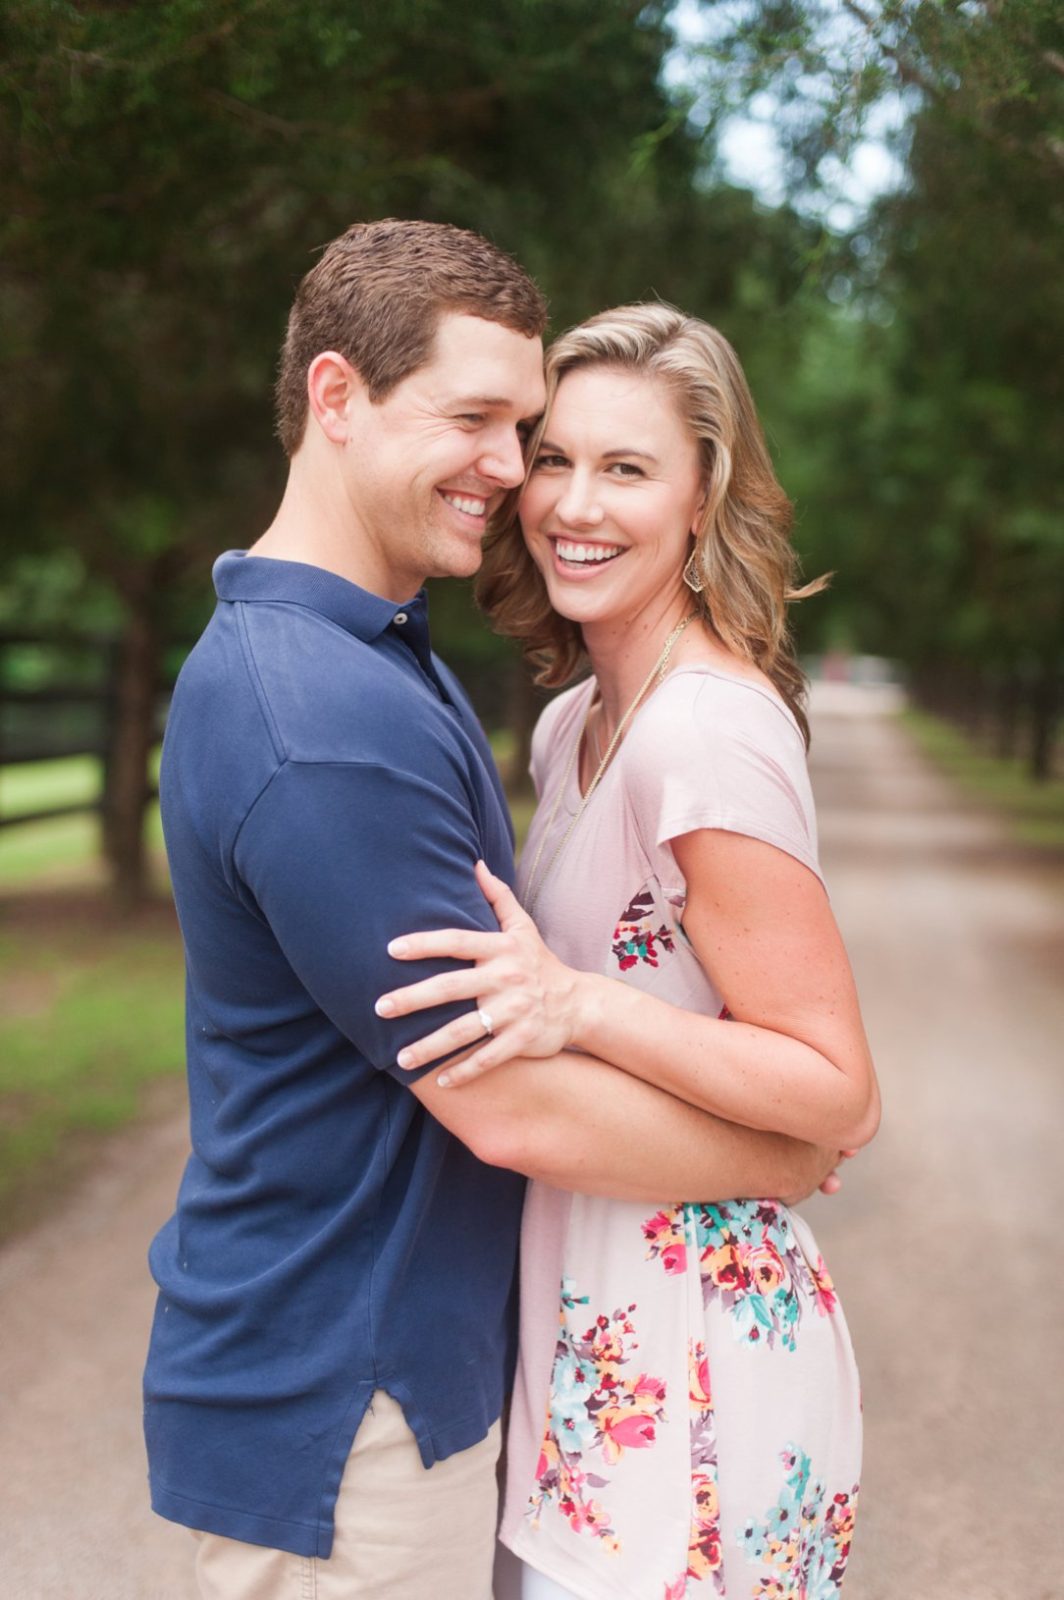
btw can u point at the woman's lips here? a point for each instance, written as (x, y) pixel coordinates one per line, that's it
(581, 558)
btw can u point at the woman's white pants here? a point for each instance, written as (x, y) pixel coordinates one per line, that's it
(534, 1586)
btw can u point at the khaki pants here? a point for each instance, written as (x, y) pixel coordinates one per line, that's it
(402, 1533)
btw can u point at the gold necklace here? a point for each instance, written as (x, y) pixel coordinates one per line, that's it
(656, 673)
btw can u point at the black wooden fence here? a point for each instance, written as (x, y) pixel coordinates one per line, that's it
(58, 697)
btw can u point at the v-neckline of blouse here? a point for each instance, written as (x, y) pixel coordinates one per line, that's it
(703, 667)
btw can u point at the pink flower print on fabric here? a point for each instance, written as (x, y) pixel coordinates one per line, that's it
(803, 1542)
(634, 937)
(594, 1409)
(704, 1555)
(750, 1260)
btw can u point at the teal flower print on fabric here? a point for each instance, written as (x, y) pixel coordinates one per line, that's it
(635, 938)
(749, 1259)
(594, 1410)
(803, 1543)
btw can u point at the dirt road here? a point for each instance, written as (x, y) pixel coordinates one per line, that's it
(944, 1244)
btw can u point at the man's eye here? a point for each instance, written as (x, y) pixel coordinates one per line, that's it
(474, 418)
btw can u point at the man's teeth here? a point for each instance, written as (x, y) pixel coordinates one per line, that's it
(586, 552)
(466, 503)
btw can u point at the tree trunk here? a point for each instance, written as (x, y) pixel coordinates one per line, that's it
(1007, 714)
(1045, 705)
(131, 734)
(525, 704)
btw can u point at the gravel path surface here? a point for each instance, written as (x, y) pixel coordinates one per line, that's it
(944, 1243)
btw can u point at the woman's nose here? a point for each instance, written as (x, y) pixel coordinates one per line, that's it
(578, 506)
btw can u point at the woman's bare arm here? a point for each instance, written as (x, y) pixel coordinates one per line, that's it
(793, 1058)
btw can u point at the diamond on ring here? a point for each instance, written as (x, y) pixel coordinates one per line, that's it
(486, 1022)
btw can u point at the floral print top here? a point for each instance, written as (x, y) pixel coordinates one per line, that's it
(686, 1418)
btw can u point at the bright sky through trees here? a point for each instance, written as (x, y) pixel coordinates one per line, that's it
(749, 152)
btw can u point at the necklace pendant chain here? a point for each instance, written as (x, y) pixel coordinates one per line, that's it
(656, 674)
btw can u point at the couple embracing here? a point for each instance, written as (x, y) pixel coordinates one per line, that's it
(660, 1031)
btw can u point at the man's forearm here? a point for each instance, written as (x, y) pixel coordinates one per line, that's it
(579, 1124)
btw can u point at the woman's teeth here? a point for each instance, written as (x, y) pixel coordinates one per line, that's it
(582, 553)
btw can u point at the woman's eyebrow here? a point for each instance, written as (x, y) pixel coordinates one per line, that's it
(644, 455)
(607, 455)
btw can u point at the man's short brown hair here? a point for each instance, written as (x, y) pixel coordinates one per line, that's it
(376, 296)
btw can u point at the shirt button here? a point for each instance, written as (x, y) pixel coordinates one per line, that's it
(399, 618)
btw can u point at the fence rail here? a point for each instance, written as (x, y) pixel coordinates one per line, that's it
(46, 714)
(59, 697)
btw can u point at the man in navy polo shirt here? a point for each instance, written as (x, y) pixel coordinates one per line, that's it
(334, 1329)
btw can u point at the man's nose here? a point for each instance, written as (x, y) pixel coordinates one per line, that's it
(505, 461)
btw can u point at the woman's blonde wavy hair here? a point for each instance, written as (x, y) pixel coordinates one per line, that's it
(742, 550)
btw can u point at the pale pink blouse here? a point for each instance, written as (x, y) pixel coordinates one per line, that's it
(686, 1419)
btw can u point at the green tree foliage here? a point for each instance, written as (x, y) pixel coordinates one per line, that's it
(925, 423)
(166, 175)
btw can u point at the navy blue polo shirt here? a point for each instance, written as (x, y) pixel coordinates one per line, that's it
(325, 786)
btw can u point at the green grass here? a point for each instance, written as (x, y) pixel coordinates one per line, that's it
(1035, 811)
(35, 785)
(91, 1006)
(91, 1015)
(62, 849)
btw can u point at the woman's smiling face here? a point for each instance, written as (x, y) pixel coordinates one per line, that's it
(612, 497)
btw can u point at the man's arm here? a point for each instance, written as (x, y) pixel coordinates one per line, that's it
(343, 857)
(580, 1124)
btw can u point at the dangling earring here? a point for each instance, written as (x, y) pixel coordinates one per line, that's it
(692, 574)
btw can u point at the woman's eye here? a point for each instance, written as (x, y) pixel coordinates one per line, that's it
(546, 460)
(627, 469)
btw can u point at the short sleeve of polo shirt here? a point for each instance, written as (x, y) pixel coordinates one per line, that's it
(343, 857)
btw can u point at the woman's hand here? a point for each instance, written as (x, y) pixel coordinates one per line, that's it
(529, 997)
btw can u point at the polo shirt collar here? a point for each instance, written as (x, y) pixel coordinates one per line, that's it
(238, 576)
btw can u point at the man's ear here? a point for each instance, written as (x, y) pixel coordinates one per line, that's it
(332, 385)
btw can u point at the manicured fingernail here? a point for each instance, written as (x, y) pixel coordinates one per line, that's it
(398, 947)
(444, 1080)
(384, 1006)
(405, 1058)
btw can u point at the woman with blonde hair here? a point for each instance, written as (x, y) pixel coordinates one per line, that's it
(686, 1419)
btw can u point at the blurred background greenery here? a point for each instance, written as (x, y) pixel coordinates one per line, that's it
(168, 173)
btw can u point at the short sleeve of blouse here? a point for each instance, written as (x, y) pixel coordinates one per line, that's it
(710, 751)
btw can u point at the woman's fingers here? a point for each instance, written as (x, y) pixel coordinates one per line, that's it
(457, 1035)
(464, 984)
(500, 897)
(492, 1055)
(463, 944)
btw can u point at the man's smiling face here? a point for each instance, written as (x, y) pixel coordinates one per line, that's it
(426, 466)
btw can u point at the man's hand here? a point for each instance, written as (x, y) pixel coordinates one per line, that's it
(823, 1174)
